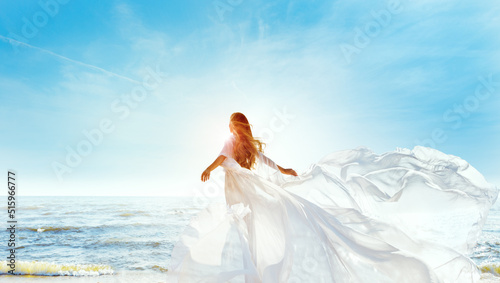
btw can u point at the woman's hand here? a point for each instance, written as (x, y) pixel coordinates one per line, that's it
(289, 171)
(205, 175)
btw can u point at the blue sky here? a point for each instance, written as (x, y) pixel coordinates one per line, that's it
(313, 77)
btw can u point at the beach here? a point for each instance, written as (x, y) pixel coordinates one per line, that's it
(130, 239)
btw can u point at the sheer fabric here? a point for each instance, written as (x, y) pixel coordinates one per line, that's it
(404, 216)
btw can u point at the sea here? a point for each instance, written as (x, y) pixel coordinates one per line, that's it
(110, 239)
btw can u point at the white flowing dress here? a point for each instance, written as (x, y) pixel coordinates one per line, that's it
(404, 216)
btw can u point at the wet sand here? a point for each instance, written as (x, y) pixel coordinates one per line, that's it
(118, 277)
(133, 277)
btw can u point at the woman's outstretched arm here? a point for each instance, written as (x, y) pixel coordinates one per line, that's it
(206, 174)
(271, 164)
(287, 171)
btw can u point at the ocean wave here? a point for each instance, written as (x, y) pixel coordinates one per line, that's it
(134, 212)
(53, 269)
(79, 229)
(159, 268)
(130, 241)
(175, 212)
(31, 207)
(52, 229)
(493, 268)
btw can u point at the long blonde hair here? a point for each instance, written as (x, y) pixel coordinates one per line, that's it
(246, 147)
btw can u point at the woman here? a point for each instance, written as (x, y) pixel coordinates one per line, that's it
(242, 147)
(353, 217)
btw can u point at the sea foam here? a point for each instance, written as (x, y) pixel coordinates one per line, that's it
(53, 269)
(491, 268)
